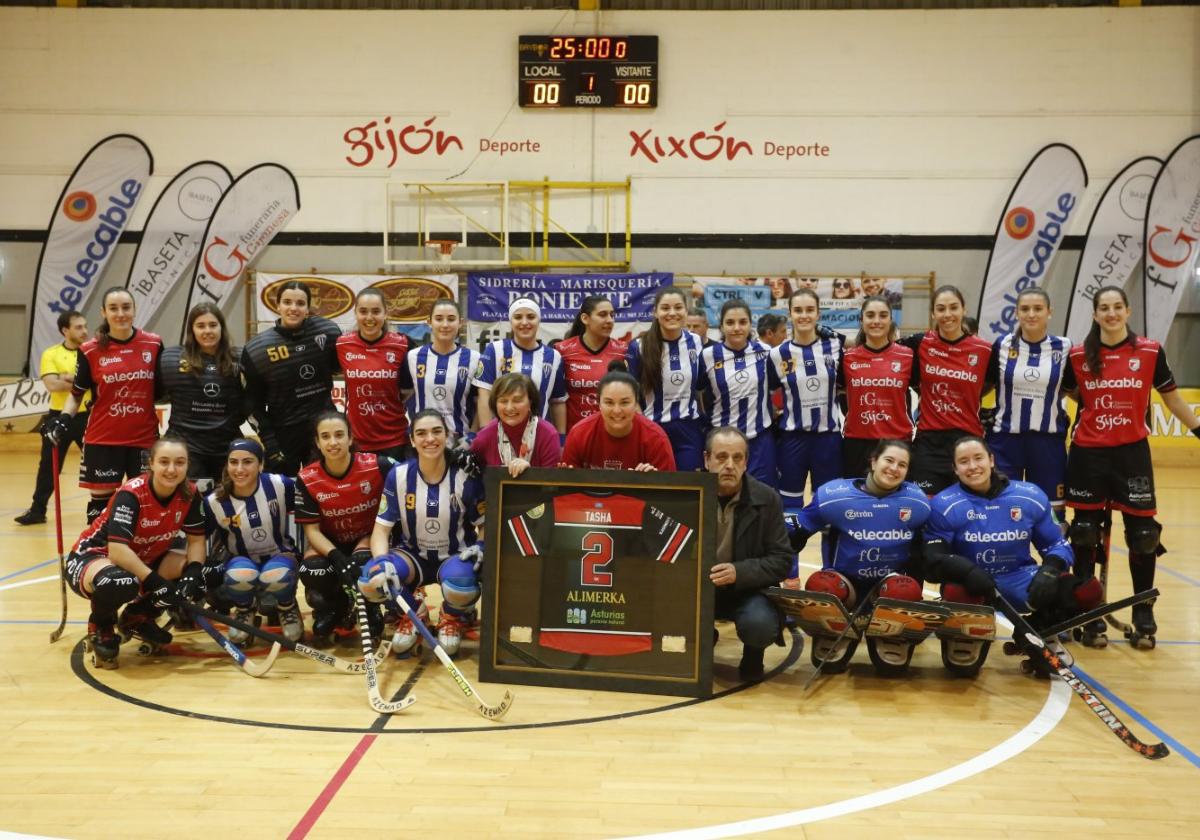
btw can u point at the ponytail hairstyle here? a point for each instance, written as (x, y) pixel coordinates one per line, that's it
(965, 439)
(1037, 291)
(296, 286)
(332, 414)
(586, 308)
(191, 358)
(860, 340)
(652, 344)
(185, 489)
(448, 450)
(102, 332)
(729, 306)
(1091, 344)
(804, 291)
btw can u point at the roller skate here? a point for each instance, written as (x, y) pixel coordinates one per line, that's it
(450, 629)
(291, 622)
(240, 637)
(406, 636)
(138, 623)
(102, 644)
(1092, 634)
(1141, 634)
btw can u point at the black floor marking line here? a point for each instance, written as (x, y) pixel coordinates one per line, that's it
(81, 671)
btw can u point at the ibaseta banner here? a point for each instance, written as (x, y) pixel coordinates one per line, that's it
(94, 209)
(1172, 257)
(1028, 236)
(171, 236)
(260, 203)
(1113, 248)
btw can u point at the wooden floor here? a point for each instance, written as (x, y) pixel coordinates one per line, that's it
(188, 746)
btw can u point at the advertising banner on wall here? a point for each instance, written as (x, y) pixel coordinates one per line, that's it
(91, 213)
(408, 299)
(1172, 249)
(840, 297)
(171, 236)
(259, 204)
(1029, 234)
(1114, 241)
(559, 296)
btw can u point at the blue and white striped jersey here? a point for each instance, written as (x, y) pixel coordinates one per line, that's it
(1028, 379)
(808, 375)
(435, 520)
(442, 382)
(740, 386)
(676, 400)
(542, 364)
(259, 526)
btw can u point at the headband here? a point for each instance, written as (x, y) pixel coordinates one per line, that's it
(524, 303)
(246, 445)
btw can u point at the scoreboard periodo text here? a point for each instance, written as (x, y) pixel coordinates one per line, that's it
(603, 71)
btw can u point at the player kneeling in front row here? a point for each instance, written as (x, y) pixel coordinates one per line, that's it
(875, 521)
(438, 506)
(250, 515)
(124, 556)
(978, 539)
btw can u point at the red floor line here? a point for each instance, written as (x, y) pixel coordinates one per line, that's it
(334, 785)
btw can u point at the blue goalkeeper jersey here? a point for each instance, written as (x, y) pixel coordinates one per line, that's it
(997, 533)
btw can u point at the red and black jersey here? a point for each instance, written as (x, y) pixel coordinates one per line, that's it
(373, 405)
(598, 551)
(877, 383)
(584, 368)
(122, 377)
(136, 517)
(950, 376)
(344, 506)
(1113, 403)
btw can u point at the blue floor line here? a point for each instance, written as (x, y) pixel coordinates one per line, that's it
(30, 569)
(1179, 575)
(1137, 716)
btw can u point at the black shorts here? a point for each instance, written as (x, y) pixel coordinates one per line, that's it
(76, 565)
(1121, 477)
(205, 466)
(856, 456)
(105, 467)
(932, 467)
(296, 443)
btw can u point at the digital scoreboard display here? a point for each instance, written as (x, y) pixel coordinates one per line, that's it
(602, 71)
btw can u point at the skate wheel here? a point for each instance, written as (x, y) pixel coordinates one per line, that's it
(1011, 649)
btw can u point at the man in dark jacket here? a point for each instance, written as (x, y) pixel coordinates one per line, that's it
(753, 551)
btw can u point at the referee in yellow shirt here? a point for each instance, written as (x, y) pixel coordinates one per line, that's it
(58, 373)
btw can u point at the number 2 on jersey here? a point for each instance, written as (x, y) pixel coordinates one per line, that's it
(598, 553)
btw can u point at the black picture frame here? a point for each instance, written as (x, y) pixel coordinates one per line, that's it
(528, 592)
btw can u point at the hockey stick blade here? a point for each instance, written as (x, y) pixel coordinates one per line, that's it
(56, 634)
(343, 666)
(1037, 646)
(487, 710)
(250, 666)
(376, 700)
(1104, 611)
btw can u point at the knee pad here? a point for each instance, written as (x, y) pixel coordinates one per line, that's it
(1085, 594)
(406, 566)
(318, 576)
(460, 584)
(832, 583)
(378, 579)
(957, 593)
(1141, 535)
(112, 586)
(1087, 529)
(324, 603)
(240, 580)
(900, 587)
(278, 577)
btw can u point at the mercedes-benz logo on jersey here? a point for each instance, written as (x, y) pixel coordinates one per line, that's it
(432, 526)
(677, 378)
(439, 392)
(740, 377)
(1032, 374)
(307, 371)
(812, 384)
(211, 389)
(259, 535)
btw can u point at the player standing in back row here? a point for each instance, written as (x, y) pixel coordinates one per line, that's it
(587, 351)
(372, 359)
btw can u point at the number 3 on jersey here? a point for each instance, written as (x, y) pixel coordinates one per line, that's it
(598, 553)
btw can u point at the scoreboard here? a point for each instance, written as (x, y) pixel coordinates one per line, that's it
(603, 71)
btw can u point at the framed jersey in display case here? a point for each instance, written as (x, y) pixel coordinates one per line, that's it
(598, 579)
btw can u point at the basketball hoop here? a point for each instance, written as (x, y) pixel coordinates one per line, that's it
(445, 247)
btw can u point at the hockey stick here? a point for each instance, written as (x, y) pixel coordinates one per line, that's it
(373, 696)
(858, 621)
(1104, 611)
(254, 669)
(1112, 621)
(487, 710)
(62, 563)
(1051, 664)
(343, 666)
